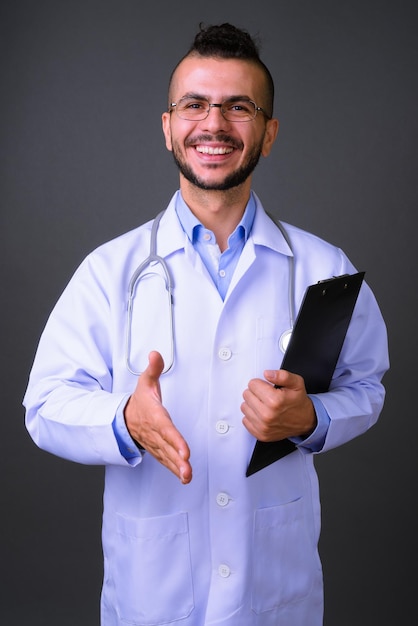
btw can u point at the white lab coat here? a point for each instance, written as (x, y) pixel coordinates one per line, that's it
(224, 549)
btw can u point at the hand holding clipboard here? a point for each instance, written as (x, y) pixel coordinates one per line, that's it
(314, 348)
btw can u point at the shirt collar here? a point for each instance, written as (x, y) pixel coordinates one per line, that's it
(263, 232)
(191, 224)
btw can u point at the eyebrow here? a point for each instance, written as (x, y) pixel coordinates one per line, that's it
(198, 96)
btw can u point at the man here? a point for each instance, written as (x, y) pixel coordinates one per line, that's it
(187, 537)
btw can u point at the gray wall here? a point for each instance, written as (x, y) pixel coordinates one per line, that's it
(83, 84)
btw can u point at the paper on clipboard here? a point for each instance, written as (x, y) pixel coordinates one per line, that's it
(314, 348)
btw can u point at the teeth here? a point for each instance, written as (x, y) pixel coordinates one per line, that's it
(209, 150)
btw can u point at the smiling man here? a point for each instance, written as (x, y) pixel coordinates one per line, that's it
(171, 401)
(218, 151)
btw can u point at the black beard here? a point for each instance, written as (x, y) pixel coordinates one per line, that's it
(232, 180)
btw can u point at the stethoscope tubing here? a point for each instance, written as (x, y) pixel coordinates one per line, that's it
(153, 259)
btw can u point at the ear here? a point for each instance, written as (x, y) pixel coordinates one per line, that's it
(272, 128)
(166, 121)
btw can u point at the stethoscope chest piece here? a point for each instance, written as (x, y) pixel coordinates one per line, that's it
(284, 340)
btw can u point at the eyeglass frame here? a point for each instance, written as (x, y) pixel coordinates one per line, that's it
(220, 106)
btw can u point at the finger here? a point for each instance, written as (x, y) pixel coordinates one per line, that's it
(257, 409)
(155, 366)
(150, 377)
(174, 461)
(174, 442)
(260, 393)
(169, 447)
(283, 378)
(185, 469)
(178, 463)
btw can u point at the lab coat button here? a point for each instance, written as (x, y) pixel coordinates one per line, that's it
(222, 499)
(225, 354)
(222, 427)
(224, 571)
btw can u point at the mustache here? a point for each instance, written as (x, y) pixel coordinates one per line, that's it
(220, 138)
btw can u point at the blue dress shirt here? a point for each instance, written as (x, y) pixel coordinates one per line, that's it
(220, 266)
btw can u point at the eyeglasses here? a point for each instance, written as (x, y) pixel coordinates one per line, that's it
(233, 109)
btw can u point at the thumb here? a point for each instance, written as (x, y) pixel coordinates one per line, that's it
(155, 366)
(283, 378)
(149, 380)
(279, 378)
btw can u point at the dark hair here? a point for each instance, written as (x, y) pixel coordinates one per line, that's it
(226, 41)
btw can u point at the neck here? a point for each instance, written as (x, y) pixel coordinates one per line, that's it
(219, 211)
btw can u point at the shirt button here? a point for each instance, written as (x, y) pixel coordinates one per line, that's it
(207, 237)
(222, 427)
(222, 499)
(225, 354)
(224, 571)
(222, 273)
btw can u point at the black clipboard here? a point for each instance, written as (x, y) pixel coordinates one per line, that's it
(314, 347)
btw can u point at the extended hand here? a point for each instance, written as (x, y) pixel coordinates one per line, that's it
(272, 414)
(150, 424)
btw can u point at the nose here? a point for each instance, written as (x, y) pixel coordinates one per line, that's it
(215, 121)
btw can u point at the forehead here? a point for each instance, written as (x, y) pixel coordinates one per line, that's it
(217, 78)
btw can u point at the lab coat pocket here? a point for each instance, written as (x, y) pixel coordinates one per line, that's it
(153, 578)
(284, 567)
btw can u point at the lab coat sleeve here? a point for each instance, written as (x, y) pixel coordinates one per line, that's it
(356, 395)
(70, 401)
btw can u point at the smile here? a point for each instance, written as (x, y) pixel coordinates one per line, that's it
(210, 150)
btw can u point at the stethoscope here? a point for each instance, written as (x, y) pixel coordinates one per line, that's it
(147, 268)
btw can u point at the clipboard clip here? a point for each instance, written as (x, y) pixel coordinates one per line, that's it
(329, 280)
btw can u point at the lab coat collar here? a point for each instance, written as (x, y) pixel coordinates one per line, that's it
(171, 236)
(265, 231)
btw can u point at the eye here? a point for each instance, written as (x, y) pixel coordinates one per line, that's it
(238, 107)
(238, 110)
(195, 105)
(192, 105)
(241, 106)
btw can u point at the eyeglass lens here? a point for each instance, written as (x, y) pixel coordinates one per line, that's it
(233, 109)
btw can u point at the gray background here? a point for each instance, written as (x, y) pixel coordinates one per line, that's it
(83, 85)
